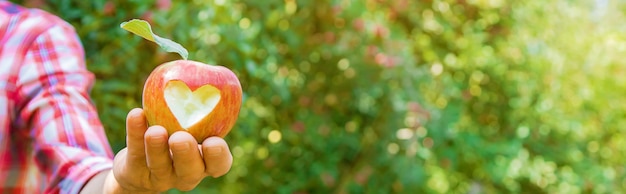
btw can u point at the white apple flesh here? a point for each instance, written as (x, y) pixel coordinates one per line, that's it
(201, 99)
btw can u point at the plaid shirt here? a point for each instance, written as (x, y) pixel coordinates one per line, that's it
(51, 140)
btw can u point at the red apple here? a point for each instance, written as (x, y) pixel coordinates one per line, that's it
(185, 95)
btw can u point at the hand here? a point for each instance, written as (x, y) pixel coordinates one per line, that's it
(154, 163)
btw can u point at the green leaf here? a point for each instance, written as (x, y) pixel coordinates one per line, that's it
(143, 29)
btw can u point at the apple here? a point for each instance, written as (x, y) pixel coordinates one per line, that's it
(185, 95)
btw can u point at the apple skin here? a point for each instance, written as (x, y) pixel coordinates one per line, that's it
(195, 74)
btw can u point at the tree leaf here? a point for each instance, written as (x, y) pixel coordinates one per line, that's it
(142, 28)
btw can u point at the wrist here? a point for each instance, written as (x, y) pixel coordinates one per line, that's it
(111, 186)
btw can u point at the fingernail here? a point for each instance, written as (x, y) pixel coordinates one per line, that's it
(180, 147)
(213, 151)
(157, 140)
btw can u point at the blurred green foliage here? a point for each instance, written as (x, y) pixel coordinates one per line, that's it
(378, 96)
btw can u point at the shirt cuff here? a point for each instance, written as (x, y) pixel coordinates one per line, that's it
(83, 172)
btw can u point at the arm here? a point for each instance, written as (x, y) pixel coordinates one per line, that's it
(69, 143)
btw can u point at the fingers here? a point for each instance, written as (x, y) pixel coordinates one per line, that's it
(158, 157)
(136, 126)
(188, 163)
(217, 156)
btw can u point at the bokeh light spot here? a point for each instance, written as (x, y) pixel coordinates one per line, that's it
(436, 69)
(441, 102)
(522, 132)
(343, 64)
(393, 148)
(351, 126)
(214, 39)
(421, 132)
(203, 15)
(290, 7)
(428, 142)
(244, 23)
(262, 153)
(274, 136)
(404, 134)
(238, 152)
(475, 90)
(314, 57)
(349, 73)
(283, 25)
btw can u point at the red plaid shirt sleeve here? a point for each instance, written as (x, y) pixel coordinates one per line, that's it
(54, 142)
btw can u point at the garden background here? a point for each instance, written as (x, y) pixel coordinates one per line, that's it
(381, 96)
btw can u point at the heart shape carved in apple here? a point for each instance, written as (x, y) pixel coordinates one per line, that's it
(189, 107)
